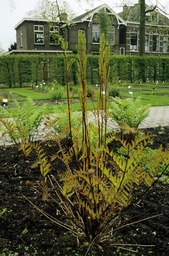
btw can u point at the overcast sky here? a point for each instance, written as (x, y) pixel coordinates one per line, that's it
(12, 11)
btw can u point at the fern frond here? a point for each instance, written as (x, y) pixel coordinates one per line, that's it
(24, 122)
(26, 148)
(45, 166)
(10, 130)
(128, 111)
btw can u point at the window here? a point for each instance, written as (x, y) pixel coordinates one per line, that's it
(148, 17)
(110, 35)
(122, 51)
(21, 38)
(110, 38)
(147, 42)
(39, 34)
(95, 34)
(54, 31)
(155, 43)
(165, 44)
(133, 42)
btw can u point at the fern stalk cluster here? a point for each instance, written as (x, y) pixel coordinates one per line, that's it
(98, 183)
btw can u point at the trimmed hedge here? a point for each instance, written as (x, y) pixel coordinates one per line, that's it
(21, 70)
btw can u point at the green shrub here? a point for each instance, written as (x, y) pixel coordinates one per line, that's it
(114, 92)
(57, 95)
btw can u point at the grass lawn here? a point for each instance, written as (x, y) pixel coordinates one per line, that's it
(23, 93)
(150, 93)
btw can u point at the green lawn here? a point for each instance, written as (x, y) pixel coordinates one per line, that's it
(150, 93)
(23, 93)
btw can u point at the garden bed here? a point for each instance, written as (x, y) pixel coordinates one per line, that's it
(24, 231)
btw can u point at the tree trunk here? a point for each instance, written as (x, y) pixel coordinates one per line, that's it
(142, 28)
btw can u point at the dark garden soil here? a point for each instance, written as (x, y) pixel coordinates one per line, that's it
(24, 231)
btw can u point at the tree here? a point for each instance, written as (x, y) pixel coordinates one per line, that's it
(53, 10)
(105, 26)
(12, 47)
(142, 27)
(143, 13)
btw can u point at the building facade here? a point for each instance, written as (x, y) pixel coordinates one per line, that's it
(37, 35)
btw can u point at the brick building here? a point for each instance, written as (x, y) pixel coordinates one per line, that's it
(38, 35)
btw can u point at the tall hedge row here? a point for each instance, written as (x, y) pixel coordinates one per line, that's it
(20, 70)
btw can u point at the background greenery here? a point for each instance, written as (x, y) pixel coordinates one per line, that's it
(21, 70)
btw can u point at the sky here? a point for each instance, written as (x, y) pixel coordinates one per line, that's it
(13, 11)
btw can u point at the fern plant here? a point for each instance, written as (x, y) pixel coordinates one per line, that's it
(95, 183)
(90, 201)
(129, 111)
(22, 126)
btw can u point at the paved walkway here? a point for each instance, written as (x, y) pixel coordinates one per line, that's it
(158, 116)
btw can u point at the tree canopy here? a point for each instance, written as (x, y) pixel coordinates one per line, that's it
(51, 10)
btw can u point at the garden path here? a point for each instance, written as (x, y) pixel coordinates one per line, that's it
(158, 116)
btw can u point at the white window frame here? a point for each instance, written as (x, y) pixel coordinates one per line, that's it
(95, 34)
(147, 43)
(165, 44)
(133, 46)
(54, 30)
(156, 43)
(39, 34)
